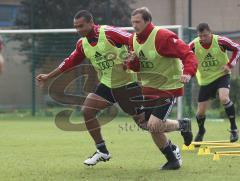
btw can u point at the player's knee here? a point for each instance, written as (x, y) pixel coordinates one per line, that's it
(224, 99)
(140, 121)
(201, 111)
(200, 116)
(162, 126)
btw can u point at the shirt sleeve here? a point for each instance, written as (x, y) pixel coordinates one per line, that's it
(229, 45)
(192, 45)
(117, 35)
(76, 57)
(169, 45)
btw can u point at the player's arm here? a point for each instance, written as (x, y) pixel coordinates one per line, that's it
(192, 46)
(132, 61)
(76, 57)
(229, 45)
(117, 36)
(169, 45)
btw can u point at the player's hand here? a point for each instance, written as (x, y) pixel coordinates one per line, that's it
(125, 67)
(226, 69)
(185, 78)
(41, 79)
(132, 56)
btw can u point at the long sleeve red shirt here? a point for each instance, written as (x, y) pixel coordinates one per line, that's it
(226, 45)
(115, 36)
(167, 44)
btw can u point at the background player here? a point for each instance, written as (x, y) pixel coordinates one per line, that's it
(213, 75)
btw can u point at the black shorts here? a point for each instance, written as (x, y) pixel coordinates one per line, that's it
(162, 110)
(209, 91)
(105, 92)
(121, 95)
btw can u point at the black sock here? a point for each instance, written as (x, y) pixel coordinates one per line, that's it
(168, 152)
(201, 121)
(102, 147)
(230, 111)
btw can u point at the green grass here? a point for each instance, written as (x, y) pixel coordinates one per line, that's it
(35, 149)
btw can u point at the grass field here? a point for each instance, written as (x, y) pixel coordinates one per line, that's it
(35, 149)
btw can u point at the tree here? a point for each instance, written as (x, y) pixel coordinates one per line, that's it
(60, 13)
(52, 14)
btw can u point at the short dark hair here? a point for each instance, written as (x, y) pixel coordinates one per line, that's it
(144, 11)
(85, 14)
(203, 26)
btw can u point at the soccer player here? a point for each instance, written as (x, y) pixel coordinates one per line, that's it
(1, 57)
(159, 52)
(213, 75)
(97, 43)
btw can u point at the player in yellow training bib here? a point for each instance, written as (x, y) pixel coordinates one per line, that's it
(213, 75)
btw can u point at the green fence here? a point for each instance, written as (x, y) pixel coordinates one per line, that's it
(27, 55)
